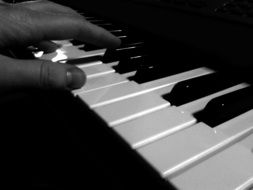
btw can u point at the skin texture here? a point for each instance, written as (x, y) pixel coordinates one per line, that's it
(37, 22)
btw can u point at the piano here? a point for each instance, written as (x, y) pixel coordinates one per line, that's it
(169, 109)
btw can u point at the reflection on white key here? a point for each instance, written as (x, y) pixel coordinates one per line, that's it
(174, 153)
(97, 70)
(111, 94)
(70, 52)
(101, 82)
(131, 108)
(154, 126)
(231, 168)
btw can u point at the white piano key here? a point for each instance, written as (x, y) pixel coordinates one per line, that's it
(97, 70)
(87, 64)
(101, 82)
(70, 52)
(165, 85)
(131, 108)
(111, 94)
(164, 90)
(170, 80)
(154, 126)
(98, 52)
(231, 168)
(199, 104)
(63, 42)
(241, 123)
(248, 143)
(104, 96)
(129, 74)
(160, 85)
(247, 185)
(174, 153)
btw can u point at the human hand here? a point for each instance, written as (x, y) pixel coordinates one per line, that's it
(30, 23)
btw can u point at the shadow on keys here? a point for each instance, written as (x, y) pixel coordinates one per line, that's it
(51, 142)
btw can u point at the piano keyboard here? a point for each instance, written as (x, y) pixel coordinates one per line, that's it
(166, 118)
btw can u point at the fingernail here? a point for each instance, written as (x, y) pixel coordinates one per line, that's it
(75, 78)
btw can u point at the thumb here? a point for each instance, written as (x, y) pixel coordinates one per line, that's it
(39, 74)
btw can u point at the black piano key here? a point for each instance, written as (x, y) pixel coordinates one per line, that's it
(125, 42)
(99, 22)
(132, 37)
(81, 61)
(118, 32)
(86, 47)
(192, 89)
(76, 42)
(127, 36)
(89, 47)
(122, 53)
(157, 66)
(109, 27)
(147, 72)
(166, 59)
(128, 41)
(226, 107)
(130, 64)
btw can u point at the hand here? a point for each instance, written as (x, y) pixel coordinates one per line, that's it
(29, 23)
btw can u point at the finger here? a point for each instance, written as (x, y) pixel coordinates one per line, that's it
(39, 74)
(78, 28)
(54, 8)
(47, 6)
(33, 27)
